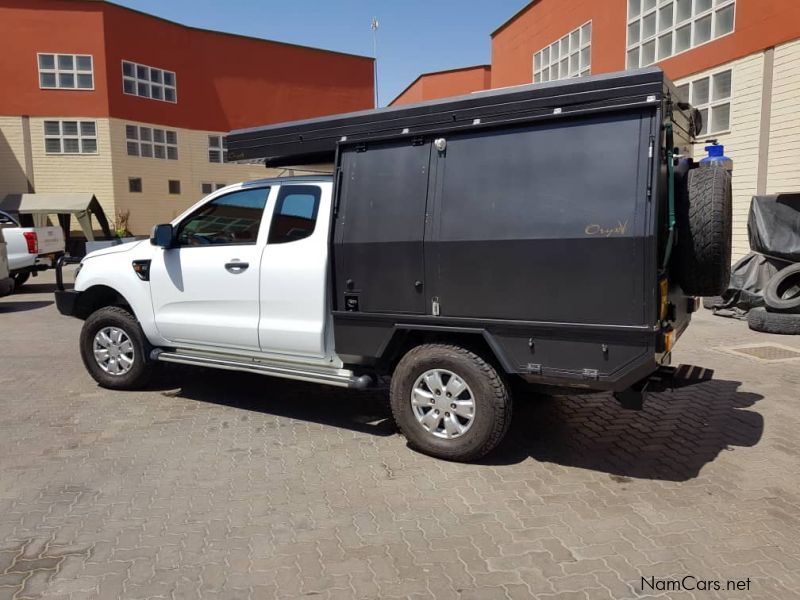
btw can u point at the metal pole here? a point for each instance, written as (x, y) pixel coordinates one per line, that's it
(374, 26)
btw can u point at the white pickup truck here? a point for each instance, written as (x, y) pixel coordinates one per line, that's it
(6, 283)
(30, 249)
(450, 251)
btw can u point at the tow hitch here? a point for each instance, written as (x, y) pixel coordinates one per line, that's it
(663, 379)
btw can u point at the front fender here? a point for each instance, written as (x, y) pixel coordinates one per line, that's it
(115, 271)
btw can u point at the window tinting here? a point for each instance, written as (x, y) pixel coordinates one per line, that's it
(234, 218)
(295, 213)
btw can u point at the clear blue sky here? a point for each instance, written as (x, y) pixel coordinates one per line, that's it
(415, 36)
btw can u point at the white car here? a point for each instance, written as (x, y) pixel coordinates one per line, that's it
(30, 249)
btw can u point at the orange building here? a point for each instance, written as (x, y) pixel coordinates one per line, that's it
(440, 84)
(738, 61)
(132, 108)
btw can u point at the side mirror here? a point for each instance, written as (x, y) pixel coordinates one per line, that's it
(162, 235)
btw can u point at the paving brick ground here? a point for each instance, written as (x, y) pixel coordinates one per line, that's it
(219, 485)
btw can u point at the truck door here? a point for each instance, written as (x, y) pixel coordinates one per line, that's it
(205, 289)
(294, 272)
(380, 228)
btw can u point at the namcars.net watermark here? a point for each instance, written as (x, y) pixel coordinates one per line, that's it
(690, 583)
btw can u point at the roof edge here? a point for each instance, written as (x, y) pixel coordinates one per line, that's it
(513, 17)
(429, 73)
(226, 33)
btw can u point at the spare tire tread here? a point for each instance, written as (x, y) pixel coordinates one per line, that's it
(778, 285)
(704, 232)
(759, 319)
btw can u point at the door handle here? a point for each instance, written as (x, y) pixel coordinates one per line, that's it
(236, 266)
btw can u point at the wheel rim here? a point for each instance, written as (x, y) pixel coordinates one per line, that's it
(113, 351)
(443, 403)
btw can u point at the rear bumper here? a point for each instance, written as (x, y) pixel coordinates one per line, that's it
(6, 286)
(66, 301)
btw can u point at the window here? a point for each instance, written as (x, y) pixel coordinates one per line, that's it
(234, 218)
(571, 56)
(295, 214)
(70, 137)
(217, 149)
(148, 82)
(712, 97)
(135, 185)
(174, 186)
(151, 142)
(66, 71)
(658, 29)
(207, 188)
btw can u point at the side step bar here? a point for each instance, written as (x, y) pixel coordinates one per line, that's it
(339, 377)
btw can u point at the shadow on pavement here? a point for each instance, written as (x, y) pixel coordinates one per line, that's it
(36, 288)
(675, 435)
(672, 438)
(365, 411)
(13, 306)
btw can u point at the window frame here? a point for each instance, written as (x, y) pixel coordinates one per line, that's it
(179, 224)
(61, 137)
(56, 71)
(138, 141)
(716, 6)
(712, 103)
(136, 80)
(177, 187)
(141, 185)
(222, 148)
(539, 69)
(284, 191)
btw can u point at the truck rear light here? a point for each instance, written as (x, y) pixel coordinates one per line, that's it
(32, 241)
(663, 299)
(669, 340)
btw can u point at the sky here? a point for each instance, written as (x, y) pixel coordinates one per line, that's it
(414, 36)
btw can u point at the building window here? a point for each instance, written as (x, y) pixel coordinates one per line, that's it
(151, 142)
(658, 29)
(66, 71)
(135, 185)
(571, 56)
(70, 137)
(217, 149)
(148, 82)
(174, 186)
(207, 188)
(712, 97)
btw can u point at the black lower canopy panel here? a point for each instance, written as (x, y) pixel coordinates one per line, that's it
(316, 140)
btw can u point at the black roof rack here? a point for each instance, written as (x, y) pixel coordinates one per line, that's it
(316, 140)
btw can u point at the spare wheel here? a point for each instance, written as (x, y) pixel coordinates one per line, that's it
(704, 214)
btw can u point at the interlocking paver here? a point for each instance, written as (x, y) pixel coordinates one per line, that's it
(219, 485)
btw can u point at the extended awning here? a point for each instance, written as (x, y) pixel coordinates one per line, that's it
(80, 205)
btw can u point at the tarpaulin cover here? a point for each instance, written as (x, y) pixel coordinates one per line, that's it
(749, 277)
(773, 226)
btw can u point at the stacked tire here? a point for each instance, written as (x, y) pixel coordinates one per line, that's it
(781, 311)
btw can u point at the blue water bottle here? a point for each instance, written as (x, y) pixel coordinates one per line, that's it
(716, 157)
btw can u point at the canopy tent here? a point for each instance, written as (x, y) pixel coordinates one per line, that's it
(81, 205)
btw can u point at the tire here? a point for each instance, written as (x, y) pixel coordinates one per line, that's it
(782, 294)
(759, 319)
(491, 402)
(20, 279)
(110, 320)
(704, 214)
